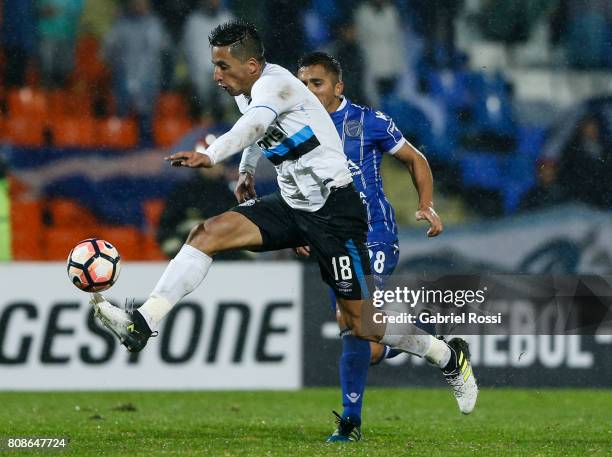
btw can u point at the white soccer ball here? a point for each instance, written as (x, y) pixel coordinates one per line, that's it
(94, 265)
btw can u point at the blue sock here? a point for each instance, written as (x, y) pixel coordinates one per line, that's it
(388, 353)
(393, 353)
(354, 364)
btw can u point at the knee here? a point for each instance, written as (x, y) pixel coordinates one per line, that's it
(197, 232)
(204, 236)
(349, 317)
(352, 322)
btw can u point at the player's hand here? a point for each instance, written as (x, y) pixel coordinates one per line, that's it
(429, 214)
(245, 187)
(190, 159)
(303, 251)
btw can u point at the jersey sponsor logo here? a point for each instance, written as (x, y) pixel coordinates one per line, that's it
(345, 287)
(364, 198)
(353, 168)
(250, 202)
(273, 137)
(383, 116)
(353, 128)
(278, 146)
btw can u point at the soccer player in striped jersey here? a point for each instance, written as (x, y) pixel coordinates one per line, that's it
(367, 135)
(317, 204)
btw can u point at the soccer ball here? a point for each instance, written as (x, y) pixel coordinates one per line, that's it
(94, 265)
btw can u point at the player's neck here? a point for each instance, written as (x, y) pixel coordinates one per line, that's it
(255, 78)
(335, 105)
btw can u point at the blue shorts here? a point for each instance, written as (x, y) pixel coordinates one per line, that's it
(383, 260)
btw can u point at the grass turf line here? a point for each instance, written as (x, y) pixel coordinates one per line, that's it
(396, 422)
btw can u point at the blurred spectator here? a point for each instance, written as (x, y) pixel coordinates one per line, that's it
(199, 24)
(380, 36)
(134, 48)
(435, 21)
(346, 49)
(585, 166)
(585, 31)
(510, 21)
(283, 33)
(98, 16)
(205, 195)
(18, 39)
(547, 191)
(57, 29)
(173, 14)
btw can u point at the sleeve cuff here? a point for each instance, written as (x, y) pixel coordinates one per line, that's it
(246, 169)
(397, 147)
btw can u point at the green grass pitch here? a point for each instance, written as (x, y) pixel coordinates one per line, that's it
(397, 422)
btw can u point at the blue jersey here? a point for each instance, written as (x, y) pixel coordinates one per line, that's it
(366, 135)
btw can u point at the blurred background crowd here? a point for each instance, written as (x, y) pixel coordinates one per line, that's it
(508, 99)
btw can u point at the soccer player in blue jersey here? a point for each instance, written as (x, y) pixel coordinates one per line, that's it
(366, 136)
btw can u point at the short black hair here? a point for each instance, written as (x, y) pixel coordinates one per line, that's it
(327, 61)
(242, 38)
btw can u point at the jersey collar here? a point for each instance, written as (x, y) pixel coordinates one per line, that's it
(339, 113)
(342, 104)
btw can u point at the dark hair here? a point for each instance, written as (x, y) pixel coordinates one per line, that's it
(327, 61)
(241, 37)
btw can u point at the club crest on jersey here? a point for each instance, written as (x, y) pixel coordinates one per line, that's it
(353, 128)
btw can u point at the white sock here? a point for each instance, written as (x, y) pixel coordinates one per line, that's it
(182, 275)
(438, 353)
(409, 338)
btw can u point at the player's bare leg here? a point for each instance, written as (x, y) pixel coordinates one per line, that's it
(230, 230)
(368, 322)
(377, 350)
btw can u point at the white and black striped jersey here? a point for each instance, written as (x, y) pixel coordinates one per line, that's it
(302, 142)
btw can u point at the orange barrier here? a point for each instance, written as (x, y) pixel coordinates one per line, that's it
(74, 132)
(168, 130)
(117, 133)
(23, 130)
(170, 104)
(27, 101)
(64, 212)
(26, 229)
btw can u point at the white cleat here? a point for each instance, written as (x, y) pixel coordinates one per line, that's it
(112, 317)
(129, 327)
(461, 377)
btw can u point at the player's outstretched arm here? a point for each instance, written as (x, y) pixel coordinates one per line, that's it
(423, 182)
(249, 128)
(190, 159)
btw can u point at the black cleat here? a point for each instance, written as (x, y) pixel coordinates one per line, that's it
(348, 429)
